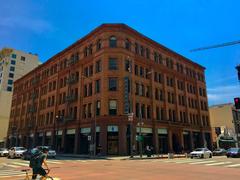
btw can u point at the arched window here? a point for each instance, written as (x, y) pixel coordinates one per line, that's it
(127, 44)
(99, 44)
(113, 42)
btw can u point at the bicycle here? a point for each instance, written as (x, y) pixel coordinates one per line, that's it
(29, 176)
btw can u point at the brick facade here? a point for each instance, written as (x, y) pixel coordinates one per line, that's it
(67, 99)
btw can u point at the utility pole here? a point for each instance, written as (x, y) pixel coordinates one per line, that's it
(140, 132)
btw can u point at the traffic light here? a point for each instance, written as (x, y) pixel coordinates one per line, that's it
(238, 70)
(237, 102)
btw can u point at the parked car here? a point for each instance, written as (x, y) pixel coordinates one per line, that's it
(233, 152)
(15, 152)
(51, 153)
(201, 153)
(3, 152)
(27, 154)
(219, 152)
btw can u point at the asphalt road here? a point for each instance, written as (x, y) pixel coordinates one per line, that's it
(148, 169)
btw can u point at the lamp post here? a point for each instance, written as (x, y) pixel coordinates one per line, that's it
(140, 132)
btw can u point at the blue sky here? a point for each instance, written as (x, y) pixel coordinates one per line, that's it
(46, 27)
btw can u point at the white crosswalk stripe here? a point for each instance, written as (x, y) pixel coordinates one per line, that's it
(233, 165)
(5, 173)
(203, 162)
(217, 163)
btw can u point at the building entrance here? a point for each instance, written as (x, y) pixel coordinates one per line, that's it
(112, 143)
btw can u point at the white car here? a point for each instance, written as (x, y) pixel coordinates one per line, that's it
(201, 153)
(51, 153)
(16, 152)
(3, 152)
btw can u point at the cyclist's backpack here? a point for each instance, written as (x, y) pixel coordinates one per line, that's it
(35, 158)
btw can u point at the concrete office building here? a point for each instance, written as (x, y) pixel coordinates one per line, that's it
(225, 123)
(82, 95)
(13, 65)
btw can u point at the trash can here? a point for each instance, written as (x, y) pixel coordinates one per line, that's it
(170, 155)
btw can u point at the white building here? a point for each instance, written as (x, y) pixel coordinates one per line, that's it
(13, 65)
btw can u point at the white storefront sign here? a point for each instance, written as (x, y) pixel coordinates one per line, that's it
(85, 130)
(49, 133)
(144, 130)
(162, 131)
(71, 131)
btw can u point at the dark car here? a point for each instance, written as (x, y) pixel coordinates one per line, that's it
(27, 154)
(219, 152)
(233, 152)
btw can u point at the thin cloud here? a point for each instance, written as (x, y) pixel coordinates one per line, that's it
(32, 24)
(223, 94)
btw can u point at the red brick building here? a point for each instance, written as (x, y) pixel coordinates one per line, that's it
(83, 94)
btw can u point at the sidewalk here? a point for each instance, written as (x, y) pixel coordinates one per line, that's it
(137, 157)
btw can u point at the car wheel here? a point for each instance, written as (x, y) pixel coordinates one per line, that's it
(191, 157)
(202, 156)
(210, 155)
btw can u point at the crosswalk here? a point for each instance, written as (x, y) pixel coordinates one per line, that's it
(204, 162)
(12, 168)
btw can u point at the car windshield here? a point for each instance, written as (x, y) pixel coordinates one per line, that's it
(20, 148)
(199, 149)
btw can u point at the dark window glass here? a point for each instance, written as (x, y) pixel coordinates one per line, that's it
(23, 58)
(11, 75)
(112, 64)
(91, 70)
(99, 44)
(9, 88)
(136, 48)
(97, 85)
(112, 84)
(98, 107)
(112, 107)
(10, 82)
(113, 42)
(13, 62)
(147, 53)
(128, 44)
(98, 66)
(14, 56)
(90, 89)
(136, 70)
(12, 68)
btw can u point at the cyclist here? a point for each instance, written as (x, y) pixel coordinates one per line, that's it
(38, 169)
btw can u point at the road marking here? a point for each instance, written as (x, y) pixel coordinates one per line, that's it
(19, 163)
(9, 165)
(233, 165)
(54, 162)
(202, 162)
(218, 163)
(188, 161)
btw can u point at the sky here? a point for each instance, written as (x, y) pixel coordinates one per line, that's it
(46, 27)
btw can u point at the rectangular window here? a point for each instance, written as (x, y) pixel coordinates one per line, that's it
(89, 110)
(112, 107)
(12, 68)
(141, 72)
(98, 66)
(85, 90)
(14, 56)
(112, 64)
(86, 72)
(10, 81)
(136, 70)
(91, 70)
(127, 66)
(98, 107)
(9, 88)
(97, 86)
(11, 75)
(112, 84)
(23, 58)
(90, 89)
(13, 62)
